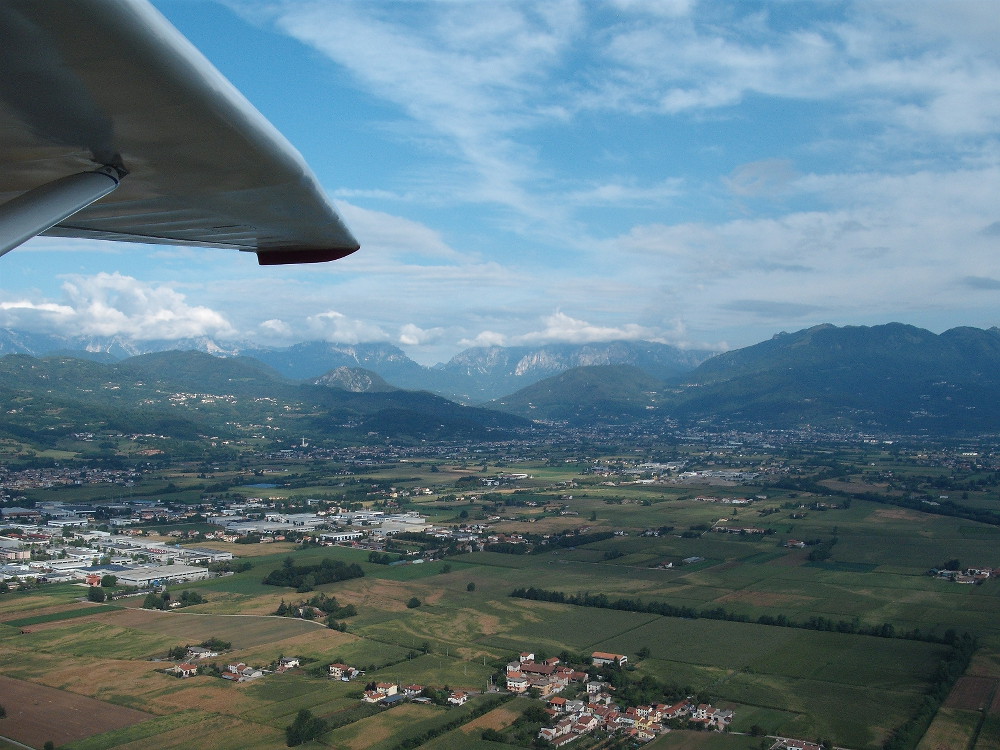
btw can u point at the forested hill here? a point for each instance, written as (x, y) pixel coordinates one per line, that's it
(187, 396)
(891, 377)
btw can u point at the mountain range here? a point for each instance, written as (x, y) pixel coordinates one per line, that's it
(473, 376)
(892, 377)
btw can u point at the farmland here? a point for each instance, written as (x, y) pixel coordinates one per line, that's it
(845, 645)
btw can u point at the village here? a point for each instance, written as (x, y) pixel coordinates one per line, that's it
(591, 706)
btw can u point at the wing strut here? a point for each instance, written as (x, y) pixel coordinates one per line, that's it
(37, 210)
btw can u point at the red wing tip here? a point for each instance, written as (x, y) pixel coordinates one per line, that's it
(288, 257)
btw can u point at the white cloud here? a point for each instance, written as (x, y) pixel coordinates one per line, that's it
(386, 235)
(561, 327)
(117, 305)
(337, 327)
(276, 329)
(412, 335)
(485, 339)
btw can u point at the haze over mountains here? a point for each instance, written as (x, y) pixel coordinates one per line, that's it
(475, 375)
(892, 377)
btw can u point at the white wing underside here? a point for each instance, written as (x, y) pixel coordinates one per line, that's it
(89, 83)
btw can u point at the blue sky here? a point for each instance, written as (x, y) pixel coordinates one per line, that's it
(704, 174)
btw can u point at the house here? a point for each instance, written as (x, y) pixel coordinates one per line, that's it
(288, 662)
(561, 729)
(344, 672)
(458, 699)
(677, 710)
(585, 724)
(790, 744)
(185, 670)
(517, 682)
(412, 691)
(241, 672)
(530, 667)
(199, 652)
(557, 703)
(601, 658)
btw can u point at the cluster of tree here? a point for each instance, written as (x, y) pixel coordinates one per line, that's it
(823, 550)
(537, 544)
(328, 605)
(162, 601)
(569, 539)
(306, 577)
(381, 558)
(602, 601)
(306, 727)
(230, 566)
(156, 601)
(507, 548)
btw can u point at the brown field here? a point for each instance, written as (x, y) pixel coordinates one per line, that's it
(36, 611)
(897, 514)
(205, 694)
(764, 598)
(317, 644)
(498, 718)
(549, 525)
(243, 631)
(100, 613)
(103, 678)
(985, 663)
(378, 728)
(217, 732)
(37, 714)
(972, 693)
(842, 486)
(16, 606)
(792, 559)
(947, 732)
(379, 593)
(249, 550)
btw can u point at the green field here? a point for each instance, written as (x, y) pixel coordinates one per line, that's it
(798, 682)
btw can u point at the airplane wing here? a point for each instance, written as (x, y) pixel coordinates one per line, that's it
(105, 100)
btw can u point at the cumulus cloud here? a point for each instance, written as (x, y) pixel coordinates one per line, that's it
(337, 327)
(561, 327)
(484, 339)
(413, 335)
(112, 304)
